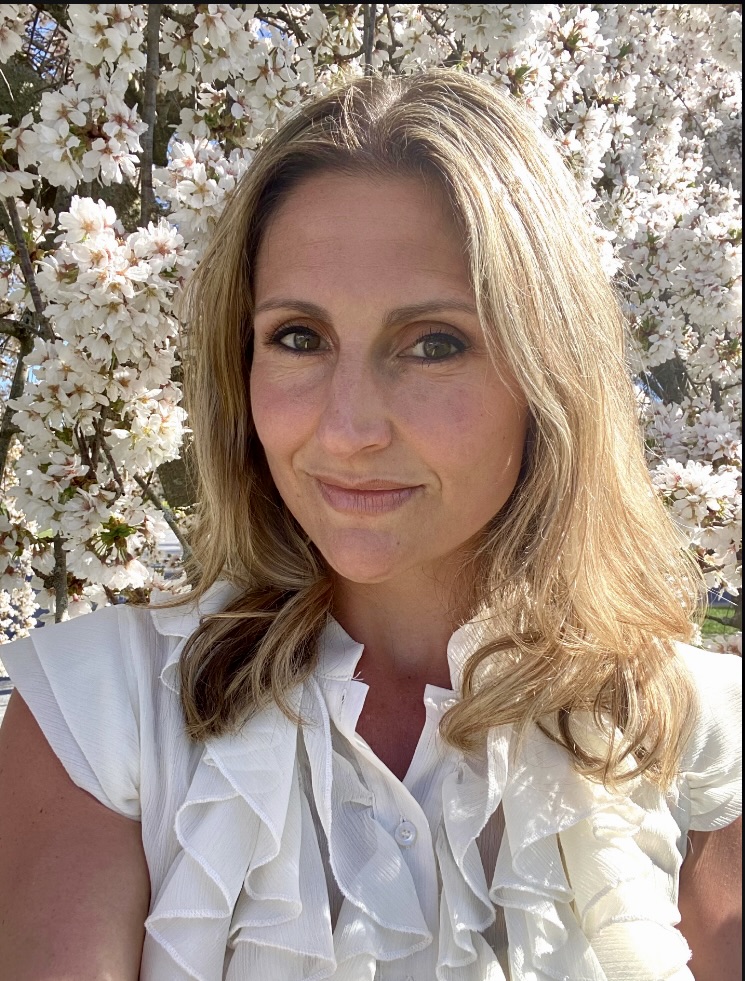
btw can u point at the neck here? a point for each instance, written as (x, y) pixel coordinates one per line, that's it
(404, 625)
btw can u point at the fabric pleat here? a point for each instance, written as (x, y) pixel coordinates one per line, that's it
(267, 816)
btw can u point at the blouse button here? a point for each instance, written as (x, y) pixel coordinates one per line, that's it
(449, 703)
(405, 834)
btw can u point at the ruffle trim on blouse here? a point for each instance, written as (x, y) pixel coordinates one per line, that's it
(258, 905)
(583, 898)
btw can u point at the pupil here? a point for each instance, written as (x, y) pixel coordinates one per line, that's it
(435, 349)
(305, 342)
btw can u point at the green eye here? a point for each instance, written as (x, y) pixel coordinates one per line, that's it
(299, 339)
(437, 347)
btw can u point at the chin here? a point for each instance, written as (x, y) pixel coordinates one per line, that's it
(363, 558)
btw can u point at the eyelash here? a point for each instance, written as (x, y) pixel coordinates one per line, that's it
(459, 345)
(287, 330)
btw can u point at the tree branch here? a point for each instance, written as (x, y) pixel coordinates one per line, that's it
(57, 11)
(183, 20)
(113, 467)
(5, 223)
(59, 578)
(168, 515)
(83, 449)
(721, 623)
(7, 429)
(716, 395)
(27, 268)
(392, 31)
(13, 328)
(440, 30)
(149, 107)
(23, 256)
(368, 35)
(287, 19)
(98, 439)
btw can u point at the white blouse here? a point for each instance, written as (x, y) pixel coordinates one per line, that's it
(292, 853)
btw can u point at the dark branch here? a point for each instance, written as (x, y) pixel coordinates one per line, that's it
(152, 69)
(58, 11)
(368, 35)
(168, 515)
(286, 20)
(7, 429)
(183, 20)
(392, 31)
(98, 439)
(27, 268)
(718, 621)
(13, 328)
(59, 578)
(149, 493)
(83, 449)
(113, 467)
(440, 30)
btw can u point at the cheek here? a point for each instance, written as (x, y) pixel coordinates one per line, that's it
(281, 411)
(471, 435)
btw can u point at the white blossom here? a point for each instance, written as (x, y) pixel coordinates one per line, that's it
(11, 30)
(644, 104)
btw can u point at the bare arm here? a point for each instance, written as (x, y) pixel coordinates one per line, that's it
(711, 903)
(74, 885)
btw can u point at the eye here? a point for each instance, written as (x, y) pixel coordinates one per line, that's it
(437, 346)
(301, 340)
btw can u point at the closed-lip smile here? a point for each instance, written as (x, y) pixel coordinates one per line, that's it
(371, 484)
(372, 496)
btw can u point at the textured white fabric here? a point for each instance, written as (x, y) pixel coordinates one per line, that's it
(278, 852)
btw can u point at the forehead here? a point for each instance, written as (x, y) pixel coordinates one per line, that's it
(362, 233)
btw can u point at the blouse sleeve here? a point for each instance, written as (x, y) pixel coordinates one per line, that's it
(81, 688)
(711, 776)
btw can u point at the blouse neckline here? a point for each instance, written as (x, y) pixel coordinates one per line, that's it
(581, 896)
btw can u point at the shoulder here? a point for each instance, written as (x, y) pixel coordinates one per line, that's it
(93, 684)
(82, 688)
(711, 765)
(717, 684)
(103, 688)
(125, 642)
(110, 651)
(711, 669)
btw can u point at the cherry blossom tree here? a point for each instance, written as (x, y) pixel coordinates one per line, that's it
(123, 129)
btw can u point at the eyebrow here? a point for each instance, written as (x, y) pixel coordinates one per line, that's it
(392, 319)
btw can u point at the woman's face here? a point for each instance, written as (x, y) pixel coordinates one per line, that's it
(390, 435)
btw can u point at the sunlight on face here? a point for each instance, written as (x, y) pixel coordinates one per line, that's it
(389, 433)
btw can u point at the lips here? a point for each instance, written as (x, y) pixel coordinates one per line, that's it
(371, 497)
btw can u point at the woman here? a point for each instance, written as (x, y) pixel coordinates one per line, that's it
(414, 428)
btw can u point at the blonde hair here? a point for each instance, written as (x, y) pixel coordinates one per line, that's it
(582, 574)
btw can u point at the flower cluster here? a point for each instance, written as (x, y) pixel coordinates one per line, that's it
(85, 130)
(195, 185)
(707, 506)
(18, 550)
(102, 408)
(644, 102)
(12, 29)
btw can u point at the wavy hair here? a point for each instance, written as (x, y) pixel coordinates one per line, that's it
(582, 577)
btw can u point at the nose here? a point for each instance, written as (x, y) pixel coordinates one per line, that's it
(355, 416)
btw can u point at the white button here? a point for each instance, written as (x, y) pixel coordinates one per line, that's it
(448, 703)
(405, 834)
